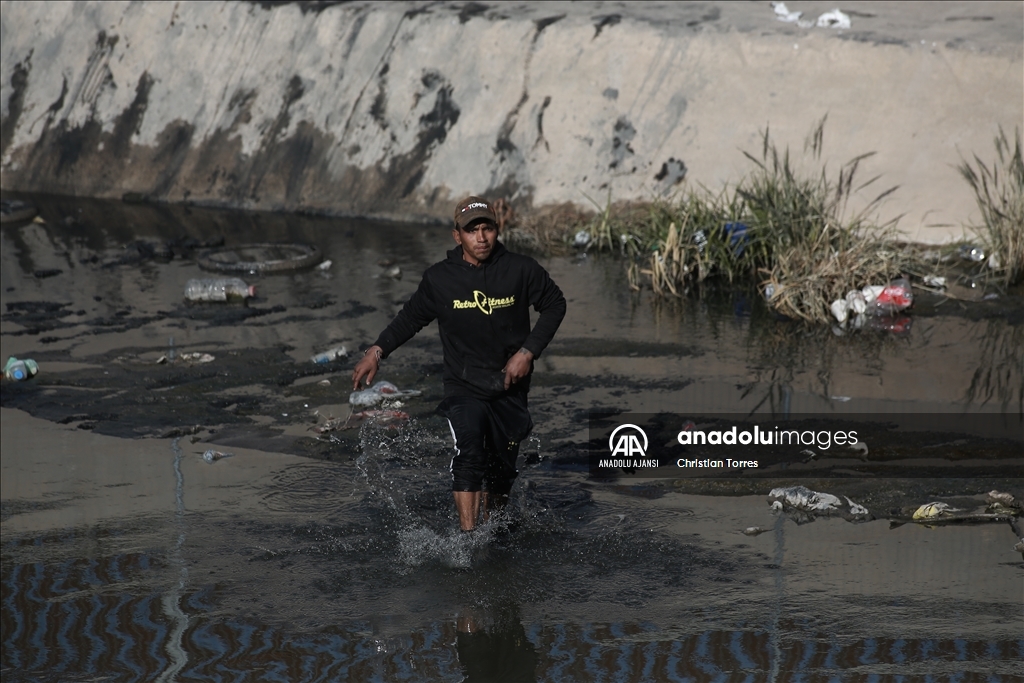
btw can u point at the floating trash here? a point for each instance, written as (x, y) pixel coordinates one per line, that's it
(933, 510)
(803, 500)
(582, 239)
(835, 19)
(196, 357)
(894, 297)
(378, 393)
(218, 289)
(754, 531)
(1000, 497)
(20, 370)
(213, 456)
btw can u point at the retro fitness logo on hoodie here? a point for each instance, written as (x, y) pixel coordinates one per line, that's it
(483, 302)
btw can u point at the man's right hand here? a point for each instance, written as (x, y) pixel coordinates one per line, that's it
(367, 366)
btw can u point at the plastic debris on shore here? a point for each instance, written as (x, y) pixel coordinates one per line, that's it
(933, 510)
(804, 505)
(378, 393)
(20, 370)
(754, 531)
(994, 497)
(783, 14)
(197, 357)
(881, 300)
(213, 456)
(336, 353)
(218, 289)
(835, 19)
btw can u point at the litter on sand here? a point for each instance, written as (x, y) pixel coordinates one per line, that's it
(933, 510)
(336, 353)
(197, 357)
(804, 501)
(782, 13)
(213, 456)
(834, 19)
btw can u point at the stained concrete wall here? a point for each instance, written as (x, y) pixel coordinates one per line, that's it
(397, 109)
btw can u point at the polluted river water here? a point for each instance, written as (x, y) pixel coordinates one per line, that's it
(334, 555)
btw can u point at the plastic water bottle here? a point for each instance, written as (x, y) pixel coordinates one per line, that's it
(20, 370)
(330, 355)
(218, 289)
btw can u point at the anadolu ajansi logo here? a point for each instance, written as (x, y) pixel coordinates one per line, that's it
(628, 445)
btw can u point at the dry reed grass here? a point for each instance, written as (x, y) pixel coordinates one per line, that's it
(999, 191)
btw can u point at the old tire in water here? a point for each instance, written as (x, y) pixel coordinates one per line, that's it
(260, 258)
(12, 212)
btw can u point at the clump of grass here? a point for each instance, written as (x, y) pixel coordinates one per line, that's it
(782, 229)
(687, 242)
(795, 239)
(812, 252)
(999, 191)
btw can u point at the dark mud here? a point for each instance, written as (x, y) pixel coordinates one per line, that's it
(126, 555)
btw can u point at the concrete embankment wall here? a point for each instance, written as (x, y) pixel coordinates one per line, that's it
(397, 109)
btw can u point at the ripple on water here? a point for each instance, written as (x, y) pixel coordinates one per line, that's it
(313, 488)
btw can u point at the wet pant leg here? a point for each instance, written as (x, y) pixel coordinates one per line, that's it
(487, 435)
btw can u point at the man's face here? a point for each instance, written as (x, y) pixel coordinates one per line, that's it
(477, 240)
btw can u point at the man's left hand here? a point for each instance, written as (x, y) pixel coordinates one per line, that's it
(518, 367)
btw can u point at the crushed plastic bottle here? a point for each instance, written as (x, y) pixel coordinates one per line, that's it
(378, 393)
(218, 289)
(330, 355)
(213, 456)
(895, 297)
(970, 252)
(20, 370)
(700, 238)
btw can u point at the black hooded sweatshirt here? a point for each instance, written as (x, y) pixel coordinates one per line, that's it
(483, 315)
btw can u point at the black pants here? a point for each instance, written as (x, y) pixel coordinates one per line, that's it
(487, 436)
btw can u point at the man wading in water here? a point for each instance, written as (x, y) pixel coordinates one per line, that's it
(480, 296)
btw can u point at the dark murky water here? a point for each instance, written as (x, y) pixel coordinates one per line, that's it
(132, 559)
